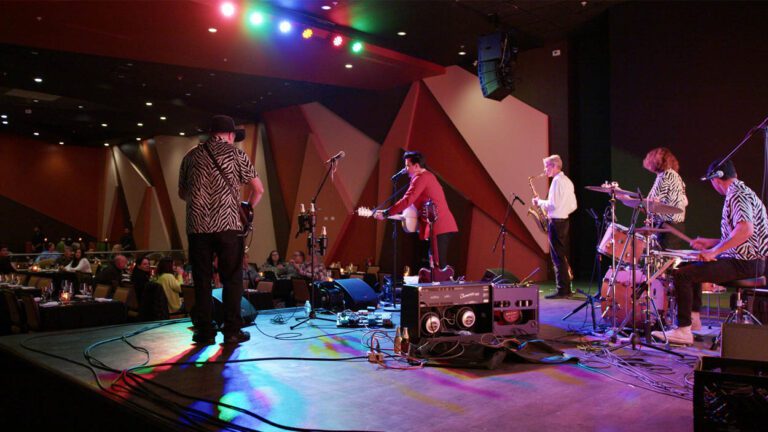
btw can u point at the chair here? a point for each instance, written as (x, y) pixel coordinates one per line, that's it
(382, 280)
(154, 304)
(739, 314)
(102, 291)
(356, 276)
(188, 293)
(15, 318)
(33, 280)
(32, 310)
(21, 277)
(43, 282)
(264, 286)
(300, 290)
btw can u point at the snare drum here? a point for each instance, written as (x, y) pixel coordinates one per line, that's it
(621, 234)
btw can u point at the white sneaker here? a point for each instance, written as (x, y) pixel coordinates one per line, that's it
(695, 321)
(678, 336)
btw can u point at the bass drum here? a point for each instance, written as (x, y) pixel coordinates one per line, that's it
(623, 294)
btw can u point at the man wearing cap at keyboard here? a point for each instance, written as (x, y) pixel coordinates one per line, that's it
(739, 253)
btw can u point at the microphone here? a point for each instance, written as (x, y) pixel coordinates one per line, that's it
(713, 174)
(337, 156)
(399, 173)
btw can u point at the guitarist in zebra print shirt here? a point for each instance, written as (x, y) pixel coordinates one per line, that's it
(669, 189)
(739, 253)
(209, 181)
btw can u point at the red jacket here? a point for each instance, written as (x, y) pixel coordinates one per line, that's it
(425, 186)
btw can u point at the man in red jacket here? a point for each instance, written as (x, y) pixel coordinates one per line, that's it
(425, 187)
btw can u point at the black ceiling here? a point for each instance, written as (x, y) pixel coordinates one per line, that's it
(81, 91)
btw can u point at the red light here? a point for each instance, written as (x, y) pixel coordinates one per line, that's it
(338, 41)
(227, 9)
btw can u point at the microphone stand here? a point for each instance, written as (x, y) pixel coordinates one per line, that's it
(503, 236)
(597, 269)
(311, 246)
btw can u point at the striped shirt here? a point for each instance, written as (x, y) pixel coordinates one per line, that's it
(669, 189)
(743, 205)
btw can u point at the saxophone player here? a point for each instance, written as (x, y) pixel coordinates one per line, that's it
(559, 204)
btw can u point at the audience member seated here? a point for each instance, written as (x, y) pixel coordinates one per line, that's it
(140, 275)
(275, 265)
(250, 274)
(112, 274)
(171, 286)
(6, 266)
(79, 263)
(65, 259)
(49, 256)
(300, 267)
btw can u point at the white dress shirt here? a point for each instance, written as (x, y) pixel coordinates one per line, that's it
(561, 200)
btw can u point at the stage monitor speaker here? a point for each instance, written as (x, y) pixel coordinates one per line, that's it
(357, 294)
(496, 57)
(745, 342)
(491, 274)
(446, 311)
(515, 310)
(247, 310)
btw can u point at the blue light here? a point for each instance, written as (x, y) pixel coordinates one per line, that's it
(285, 26)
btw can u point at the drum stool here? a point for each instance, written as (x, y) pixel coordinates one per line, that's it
(739, 314)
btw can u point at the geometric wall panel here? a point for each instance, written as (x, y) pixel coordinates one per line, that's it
(170, 151)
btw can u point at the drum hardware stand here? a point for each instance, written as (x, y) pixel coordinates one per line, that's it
(634, 338)
(612, 282)
(591, 300)
(312, 243)
(738, 315)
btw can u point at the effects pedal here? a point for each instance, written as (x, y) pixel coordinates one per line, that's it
(364, 318)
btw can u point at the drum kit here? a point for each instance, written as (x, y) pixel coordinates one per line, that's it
(637, 292)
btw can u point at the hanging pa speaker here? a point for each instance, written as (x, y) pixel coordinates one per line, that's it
(247, 311)
(496, 57)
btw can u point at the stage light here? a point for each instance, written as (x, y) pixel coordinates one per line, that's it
(357, 47)
(61, 142)
(256, 18)
(307, 33)
(38, 80)
(285, 26)
(212, 29)
(36, 133)
(338, 41)
(106, 144)
(325, 7)
(227, 9)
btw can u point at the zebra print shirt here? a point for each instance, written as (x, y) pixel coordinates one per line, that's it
(742, 204)
(211, 203)
(669, 189)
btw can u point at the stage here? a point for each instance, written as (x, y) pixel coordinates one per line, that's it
(314, 378)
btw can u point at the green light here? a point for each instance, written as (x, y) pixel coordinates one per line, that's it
(357, 47)
(256, 18)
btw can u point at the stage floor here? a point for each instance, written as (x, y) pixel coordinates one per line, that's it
(269, 377)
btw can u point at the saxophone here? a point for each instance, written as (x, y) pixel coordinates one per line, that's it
(535, 211)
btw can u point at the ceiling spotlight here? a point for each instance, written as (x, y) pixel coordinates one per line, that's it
(36, 100)
(36, 133)
(162, 118)
(4, 116)
(256, 18)
(80, 107)
(139, 124)
(212, 30)
(227, 9)
(104, 125)
(5, 122)
(38, 80)
(285, 26)
(348, 66)
(61, 142)
(138, 139)
(182, 133)
(148, 103)
(401, 33)
(325, 7)
(462, 53)
(338, 41)
(307, 33)
(106, 144)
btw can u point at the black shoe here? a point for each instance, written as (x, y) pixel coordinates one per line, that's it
(557, 296)
(235, 338)
(204, 337)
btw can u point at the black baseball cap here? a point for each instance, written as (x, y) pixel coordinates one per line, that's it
(224, 123)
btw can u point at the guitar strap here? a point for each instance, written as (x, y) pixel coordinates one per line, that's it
(221, 171)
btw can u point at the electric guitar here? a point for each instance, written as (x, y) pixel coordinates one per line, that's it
(246, 217)
(433, 273)
(409, 218)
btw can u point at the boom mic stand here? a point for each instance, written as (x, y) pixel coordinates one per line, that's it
(503, 236)
(597, 269)
(312, 243)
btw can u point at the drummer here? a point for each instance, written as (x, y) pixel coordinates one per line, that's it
(738, 254)
(669, 189)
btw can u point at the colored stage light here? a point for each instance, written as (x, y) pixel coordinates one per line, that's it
(307, 33)
(357, 47)
(338, 41)
(256, 18)
(285, 26)
(227, 9)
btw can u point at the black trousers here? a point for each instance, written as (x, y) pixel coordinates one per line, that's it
(688, 279)
(558, 251)
(443, 241)
(228, 247)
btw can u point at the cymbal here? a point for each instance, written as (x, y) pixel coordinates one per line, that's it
(651, 205)
(612, 189)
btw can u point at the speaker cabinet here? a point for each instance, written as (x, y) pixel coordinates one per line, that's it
(247, 311)
(446, 310)
(496, 58)
(515, 310)
(745, 342)
(357, 294)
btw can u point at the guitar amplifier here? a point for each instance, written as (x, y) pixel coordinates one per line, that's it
(515, 310)
(446, 310)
